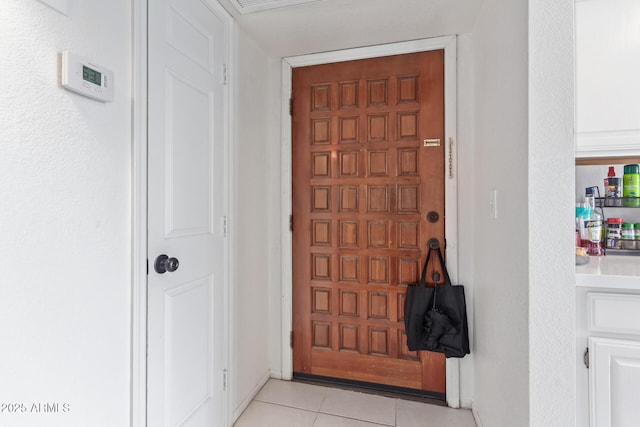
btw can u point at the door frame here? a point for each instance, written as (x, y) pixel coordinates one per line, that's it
(448, 44)
(139, 186)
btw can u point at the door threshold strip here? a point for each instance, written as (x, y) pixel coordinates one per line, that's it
(372, 388)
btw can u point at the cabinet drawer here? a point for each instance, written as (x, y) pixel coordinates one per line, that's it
(613, 313)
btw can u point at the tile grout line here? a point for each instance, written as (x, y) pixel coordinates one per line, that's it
(324, 396)
(355, 418)
(395, 424)
(283, 405)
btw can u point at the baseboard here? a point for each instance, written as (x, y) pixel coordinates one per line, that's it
(247, 400)
(476, 415)
(276, 375)
(466, 404)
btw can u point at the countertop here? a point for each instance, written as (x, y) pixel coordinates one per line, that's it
(610, 271)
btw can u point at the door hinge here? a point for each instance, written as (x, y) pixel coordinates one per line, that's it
(225, 379)
(450, 158)
(224, 74)
(291, 106)
(225, 226)
(291, 339)
(586, 358)
(291, 223)
(147, 266)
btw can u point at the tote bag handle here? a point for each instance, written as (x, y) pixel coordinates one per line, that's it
(423, 276)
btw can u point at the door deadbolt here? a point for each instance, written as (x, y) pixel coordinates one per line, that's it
(433, 216)
(164, 263)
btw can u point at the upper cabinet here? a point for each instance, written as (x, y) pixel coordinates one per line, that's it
(608, 78)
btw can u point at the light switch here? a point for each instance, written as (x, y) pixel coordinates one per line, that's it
(59, 5)
(493, 204)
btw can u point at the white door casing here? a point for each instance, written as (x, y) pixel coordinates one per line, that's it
(188, 47)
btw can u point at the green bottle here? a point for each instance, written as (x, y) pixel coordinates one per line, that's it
(631, 185)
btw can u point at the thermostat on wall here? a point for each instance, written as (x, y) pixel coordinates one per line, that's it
(86, 78)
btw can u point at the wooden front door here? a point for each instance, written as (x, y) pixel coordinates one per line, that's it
(368, 167)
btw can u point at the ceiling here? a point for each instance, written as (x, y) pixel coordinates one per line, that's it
(327, 25)
(248, 6)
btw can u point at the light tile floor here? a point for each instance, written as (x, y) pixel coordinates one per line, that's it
(295, 404)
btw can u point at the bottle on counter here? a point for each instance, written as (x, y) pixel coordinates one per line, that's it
(581, 214)
(631, 185)
(612, 188)
(590, 224)
(594, 226)
(590, 198)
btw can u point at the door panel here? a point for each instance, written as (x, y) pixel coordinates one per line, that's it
(185, 201)
(614, 382)
(363, 182)
(188, 348)
(188, 153)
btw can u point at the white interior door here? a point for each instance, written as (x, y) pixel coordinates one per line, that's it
(186, 193)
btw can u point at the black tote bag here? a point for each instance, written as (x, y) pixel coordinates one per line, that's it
(436, 318)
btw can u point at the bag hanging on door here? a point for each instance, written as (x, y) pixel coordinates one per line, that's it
(436, 318)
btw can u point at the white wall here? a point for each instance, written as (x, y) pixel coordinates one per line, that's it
(466, 205)
(64, 217)
(524, 274)
(552, 309)
(257, 287)
(501, 282)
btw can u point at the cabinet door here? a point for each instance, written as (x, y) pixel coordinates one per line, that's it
(607, 84)
(614, 382)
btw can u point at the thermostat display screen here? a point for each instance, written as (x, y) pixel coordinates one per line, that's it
(91, 75)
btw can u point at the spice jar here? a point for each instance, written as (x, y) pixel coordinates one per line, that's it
(614, 232)
(628, 236)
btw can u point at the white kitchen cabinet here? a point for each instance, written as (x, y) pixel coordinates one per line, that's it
(612, 328)
(607, 82)
(614, 381)
(608, 325)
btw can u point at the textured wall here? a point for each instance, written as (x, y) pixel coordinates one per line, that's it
(64, 217)
(552, 313)
(501, 282)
